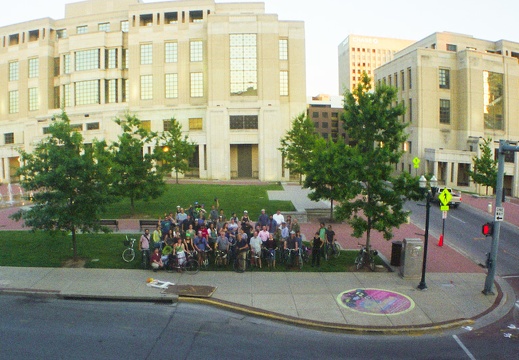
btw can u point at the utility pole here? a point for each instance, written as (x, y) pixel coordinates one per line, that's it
(504, 146)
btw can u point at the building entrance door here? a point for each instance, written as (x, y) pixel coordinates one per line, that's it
(244, 161)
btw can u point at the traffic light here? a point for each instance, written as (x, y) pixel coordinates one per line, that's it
(488, 229)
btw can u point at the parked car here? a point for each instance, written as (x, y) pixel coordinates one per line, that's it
(455, 200)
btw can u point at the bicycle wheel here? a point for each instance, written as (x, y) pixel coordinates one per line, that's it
(300, 261)
(372, 263)
(128, 255)
(191, 266)
(359, 261)
(240, 264)
(336, 250)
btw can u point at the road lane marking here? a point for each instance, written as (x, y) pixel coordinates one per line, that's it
(469, 354)
(454, 217)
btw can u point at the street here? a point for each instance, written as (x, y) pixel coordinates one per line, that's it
(39, 328)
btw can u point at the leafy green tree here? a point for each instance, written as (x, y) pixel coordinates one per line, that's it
(485, 167)
(370, 196)
(173, 150)
(135, 175)
(298, 143)
(70, 182)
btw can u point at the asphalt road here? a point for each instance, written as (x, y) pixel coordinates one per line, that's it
(36, 328)
(463, 231)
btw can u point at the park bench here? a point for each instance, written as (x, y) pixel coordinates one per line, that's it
(147, 223)
(110, 222)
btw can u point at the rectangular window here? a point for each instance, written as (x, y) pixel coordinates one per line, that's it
(14, 39)
(126, 58)
(146, 87)
(171, 86)
(13, 71)
(125, 90)
(325, 124)
(76, 127)
(146, 54)
(171, 52)
(61, 34)
(87, 92)
(66, 63)
(196, 16)
(125, 26)
(197, 85)
(104, 27)
(14, 102)
(444, 78)
(238, 122)
(410, 110)
(171, 17)
(9, 138)
(283, 49)
(196, 51)
(111, 59)
(87, 59)
(34, 68)
(146, 20)
(195, 123)
(409, 78)
(34, 99)
(452, 47)
(92, 126)
(67, 98)
(111, 91)
(283, 83)
(396, 80)
(402, 79)
(243, 58)
(445, 111)
(83, 29)
(57, 98)
(56, 66)
(315, 114)
(493, 107)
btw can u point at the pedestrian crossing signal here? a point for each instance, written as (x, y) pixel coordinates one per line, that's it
(487, 229)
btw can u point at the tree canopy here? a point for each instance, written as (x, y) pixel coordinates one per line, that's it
(485, 166)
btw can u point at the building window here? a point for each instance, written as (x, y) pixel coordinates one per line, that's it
(61, 34)
(67, 98)
(325, 115)
(324, 124)
(171, 86)
(146, 20)
(315, 114)
(34, 99)
(13, 71)
(195, 123)
(111, 59)
(171, 52)
(325, 136)
(402, 79)
(14, 102)
(83, 29)
(125, 26)
(76, 127)
(493, 108)
(87, 60)
(146, 54)
(66, 63)
(104, 27)
(445, 111)
(92, 126)
(14, 39)
(146, 87)
(444, 78)
(452, 47)
(197, 85)
(57, 98)
(396, 80)
(9, 138)
(34, 68)
(87, 92)
(410, 110)
(283, 83)
(126, 58)
(125, 90)
(283, 49)
(56, 66)
(171, 17)
(111, 91)
(409, 78)
(244, 73)
(196, 16)
(196, 52)
(239, 122)
(316, 124)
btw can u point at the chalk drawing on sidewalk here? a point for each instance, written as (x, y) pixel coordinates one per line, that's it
(375, 301)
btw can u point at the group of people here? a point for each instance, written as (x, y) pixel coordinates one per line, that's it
(197, 231)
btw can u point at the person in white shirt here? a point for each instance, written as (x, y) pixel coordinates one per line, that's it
(255, 247)
(278, 217)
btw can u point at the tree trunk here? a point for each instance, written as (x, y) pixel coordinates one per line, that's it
(132, 204)
(74, 243)
(176, 176)
(331, 209)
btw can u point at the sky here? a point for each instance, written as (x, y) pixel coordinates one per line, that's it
(329, 22)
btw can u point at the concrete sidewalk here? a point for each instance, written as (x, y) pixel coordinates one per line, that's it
(310, 299)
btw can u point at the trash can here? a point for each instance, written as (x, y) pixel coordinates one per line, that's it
(396, 253)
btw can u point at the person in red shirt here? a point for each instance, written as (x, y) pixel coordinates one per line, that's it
(156, 261)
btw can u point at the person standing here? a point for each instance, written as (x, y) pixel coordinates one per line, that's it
(144, 247)
(157, 238)
(317, 244)
(278, 217)
(322, 236)
(263, 218)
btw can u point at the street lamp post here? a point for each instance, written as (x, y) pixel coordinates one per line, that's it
(430, 193)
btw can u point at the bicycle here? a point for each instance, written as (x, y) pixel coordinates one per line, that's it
(364, 255)
(241, 263)
(190, 265)
(220, 258)
(129, 253)
(270, 256)
(333, 250)
(293, 256)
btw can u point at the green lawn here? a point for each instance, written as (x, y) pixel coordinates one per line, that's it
(232, 198)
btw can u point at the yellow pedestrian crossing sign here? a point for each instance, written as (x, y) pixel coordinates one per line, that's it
(444, 208)
(416, 162)
(445, 197)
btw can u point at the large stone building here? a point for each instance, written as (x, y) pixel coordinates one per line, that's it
(457, 90)
(232, 75)
(358, 54)
(325, 111)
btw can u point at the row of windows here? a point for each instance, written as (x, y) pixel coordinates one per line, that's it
(378, 51)
(334, 115)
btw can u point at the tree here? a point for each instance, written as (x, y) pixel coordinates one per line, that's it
(70, 182)
(298, 143)
(485, 167)
(135, 175)
(370, 197)
(173, 150)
